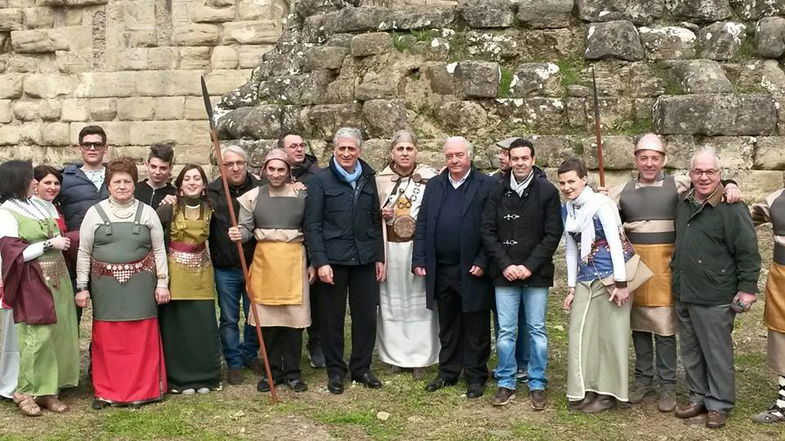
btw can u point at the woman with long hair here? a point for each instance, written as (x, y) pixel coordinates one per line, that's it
(188, 325)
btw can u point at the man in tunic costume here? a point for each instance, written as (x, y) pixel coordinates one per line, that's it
(647, 205)
(715, 273)
(772, 210)
(407, 332)
(273, 213)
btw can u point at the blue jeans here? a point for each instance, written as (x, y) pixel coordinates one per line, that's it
(230, 285)
(535, 303)
(521, 344)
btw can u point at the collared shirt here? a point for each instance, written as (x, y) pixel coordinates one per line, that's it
(96, 176)
(458, 183)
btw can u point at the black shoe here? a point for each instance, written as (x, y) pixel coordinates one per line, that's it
(99, 404)
(475, 390)
(263, 385)
(316, 356)
(297, 385)
(369, 380)
(438, 383)
(335, 384)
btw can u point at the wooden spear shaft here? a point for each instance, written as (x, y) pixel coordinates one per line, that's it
(233, 218)
(598, 132)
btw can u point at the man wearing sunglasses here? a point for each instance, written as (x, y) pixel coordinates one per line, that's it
(83, 183)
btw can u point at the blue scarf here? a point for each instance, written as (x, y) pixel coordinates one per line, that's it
(349, 178)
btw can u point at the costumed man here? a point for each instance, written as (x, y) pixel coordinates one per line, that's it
(273, 213)
(772, 210)
(647, 205)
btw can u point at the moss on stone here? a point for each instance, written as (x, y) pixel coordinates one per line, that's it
(570, 69)
(505, 81)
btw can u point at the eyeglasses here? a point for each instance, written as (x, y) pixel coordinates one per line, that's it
(296, 146)
(92, 145)
(710, 173)
(238, 164)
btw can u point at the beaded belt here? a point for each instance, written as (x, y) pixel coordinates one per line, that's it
(53, 268)
(192, 257)
(122, 272)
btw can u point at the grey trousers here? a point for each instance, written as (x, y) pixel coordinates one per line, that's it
(645, 344)
(707, 354)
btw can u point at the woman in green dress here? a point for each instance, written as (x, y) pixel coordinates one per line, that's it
(188, 325)
(38, 289)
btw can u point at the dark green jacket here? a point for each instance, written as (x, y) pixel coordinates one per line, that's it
(716, 252)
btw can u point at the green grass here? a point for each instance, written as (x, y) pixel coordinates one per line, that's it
(505, 80)
(570, 70)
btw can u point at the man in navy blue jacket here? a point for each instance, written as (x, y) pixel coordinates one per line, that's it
(448, 252)
(83, 184)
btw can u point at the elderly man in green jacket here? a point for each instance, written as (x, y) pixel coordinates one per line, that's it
(715, 274)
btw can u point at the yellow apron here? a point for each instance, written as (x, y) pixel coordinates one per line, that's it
(774, 311)
(277, 273)
(657, 290)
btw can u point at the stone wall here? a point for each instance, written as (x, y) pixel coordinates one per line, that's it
(699, 72)
(132, 66)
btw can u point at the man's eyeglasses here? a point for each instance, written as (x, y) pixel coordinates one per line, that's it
(92, 145)
(710, 173)
(238, 164)
(296, 146)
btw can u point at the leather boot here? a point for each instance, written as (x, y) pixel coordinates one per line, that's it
(601, 404)
(580, 404)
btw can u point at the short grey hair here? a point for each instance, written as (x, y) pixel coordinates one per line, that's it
(469, 146)
(349, 132)
(403, 136)
(707, 150)
(237, 150)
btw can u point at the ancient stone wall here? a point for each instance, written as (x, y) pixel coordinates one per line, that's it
(132, 66)
(699, 72)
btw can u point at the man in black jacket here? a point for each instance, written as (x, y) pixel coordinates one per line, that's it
(448, 252)
(343, 233)
(521, 229)
(156, 187)
(229, 281)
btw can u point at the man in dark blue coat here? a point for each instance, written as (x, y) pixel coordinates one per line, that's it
(448, 252)
(83, 184)
(343, 233)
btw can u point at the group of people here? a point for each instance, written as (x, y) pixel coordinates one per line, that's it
(424, 258)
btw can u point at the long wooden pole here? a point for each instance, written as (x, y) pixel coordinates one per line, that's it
(598, 132)
(233, 218)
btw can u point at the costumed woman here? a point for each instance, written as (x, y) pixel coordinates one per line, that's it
(122, 269)
(279, 277)
(599, 336)
(189, 329)
(38, 289)
(407, 332)
(772, 209)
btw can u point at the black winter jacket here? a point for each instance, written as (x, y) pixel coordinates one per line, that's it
(222, 250)
(77, 195)
(523, 230)
(342, 228)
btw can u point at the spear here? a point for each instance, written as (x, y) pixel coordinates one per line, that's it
(597, 133)
(233, 218)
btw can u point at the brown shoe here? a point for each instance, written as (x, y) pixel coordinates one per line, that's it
(503, 396)
(578, 405)
(537, 398)
(235, 376)
(666, 401)
(418, 373)
(716, 419)
(600, 404)
(690, 410)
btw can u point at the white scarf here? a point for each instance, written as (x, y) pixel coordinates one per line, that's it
(580, 217)
(519, 187)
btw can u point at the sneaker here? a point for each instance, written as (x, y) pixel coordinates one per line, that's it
(189, 392)
(522, 376)
(773, 415)
(235, 376)
(640, 392)
(667, 401)
(203, 390)
(503, 396)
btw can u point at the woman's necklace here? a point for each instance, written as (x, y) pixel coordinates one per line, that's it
(192, 212)
(121, 212)
(39, 216)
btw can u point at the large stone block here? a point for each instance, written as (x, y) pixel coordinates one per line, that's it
(375, 43)
(544, 114)
(487, 14)
(221, 81)
(55, 134)
(193, 58)
(106, 84)
(756, 9)
(382, 117)
(103, 109)
(536, 79)
(11, 85)
(552, 150)
(10, 135)
(305, 89)
(712, 115)
(307, 8)
(325, 57)
(542, 14)
(75, 110)
(617, 152)
(31, 134)
(194, 107)
(638, 11)
(224, 57)
(350, 19)
(440, 78)
(461, 116)
(243, 96)
(10, 19)
(168, 83)
(6, 111)
(163, 58)
(35, 18)
(26, 110)
(340, 91)
(720, 41)
(699, 10)
(668, 42)
(37, 41)
(249, 56)
(770, 37)
(49, 110)
(478, 79)
(49, 85)
(170, 107)
(135, 109)
(207, 14)
(323, 120)
(769, 153)
(644, 81)
(254, 9)
(613, 39)
(196, 35)
(252, 32)
(134, 58)
(259, 122)
(177, 132)
(701, 76)
(117, 132)
(378, 86)
(755, 184)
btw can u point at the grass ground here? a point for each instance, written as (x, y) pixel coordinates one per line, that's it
(241, 413)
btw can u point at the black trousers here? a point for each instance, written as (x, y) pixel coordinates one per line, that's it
(363, 293)
(465, 336)
(283, 349)
(314, 339)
